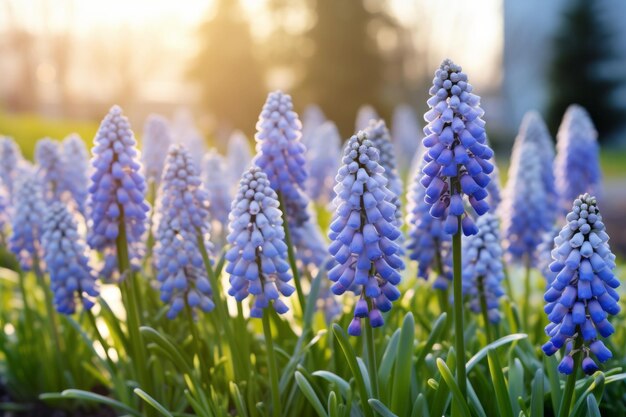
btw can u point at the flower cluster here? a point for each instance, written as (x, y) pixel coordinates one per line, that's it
(483, 271)
(156, 138)
(64, 252)
(428, 244)
(324, 155)
(182, 214)
(577, 163)
(185, 132)
(10, 158)
(582, 295)
(76, 170)
(406, 134)
(257, 259)
(312, 118)
(4, 212)
(215, 181)
(27, 221)
(117, 189)
(362, 232)
(458, 154)
(239, 156)
(51, 169)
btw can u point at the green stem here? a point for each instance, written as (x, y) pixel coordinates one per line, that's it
(458, 310)
(291, 255)
(271, 362)
(105, 345)
(197, 343)
(568, 393)
(526, 310)
(150, 241)
(483, 308)
(28, 317)
(371, 358)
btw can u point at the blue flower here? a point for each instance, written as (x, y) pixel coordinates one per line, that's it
(217, 187)
(428, 244)
(312, 118)
(50, 168)
(324, 156)
(239, 157)
(544, 253)
(577, 164)
(10, 158)
(117, 190)
(280, 153)
(257, 258)
(185, 132)
(363, 231)
(182, 214)
(71, 277)
(4, 212)
(582, 294)
(156, 139)
(406, 134)
(27, 221)
(525, 217)
(458, 153)
(483, 272)
(76, 170)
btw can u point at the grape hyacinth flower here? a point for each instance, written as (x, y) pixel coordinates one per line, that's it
(428, 244)
(363, 117)
(156, 140)
(312, 118)
(76, 170)
(183, 219)
(362, 232)
(458, 154)
(406, 134)
(257, 259)
(51, 168)
(4, 213)
(238, 156)
(582, 295)
(185, 132)
(483, 271)
(10, 158)
(71, 277)
(577, 164)
(117, 190)
(215, 181)
(324, 156)
(544, 254)
(27, 222)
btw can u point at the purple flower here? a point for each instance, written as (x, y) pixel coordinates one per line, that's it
(27, 221)
(239, 156)
(312, 118)
(257, 258)
(363, 231)
(217, 187)
(577, 164)
(324, 156)
(10, 158)
(51, 168)
(185, 132)
(406, 133)
(582, 294)
(4, 212)
(76, 170)
(457, 158)
(71, 277)
(182, 214)
(156, 139)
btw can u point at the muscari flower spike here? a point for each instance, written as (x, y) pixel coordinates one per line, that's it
(75, 159)
(71, 277)
(577, 163)
(483, 271)
(582, 295)
(27, 222)
(544, 253)
(117, 190)
(182, 214)
(406, 133)
(51, 168)
(215, 181)
(156, 139)
(458, 154)
(10, 157)
(185, 132)
(238, 156)
(523, 211)
(324, 156)
(257, 258)
(428, 244)
(312, 118)
(362, 232)
(4, 212)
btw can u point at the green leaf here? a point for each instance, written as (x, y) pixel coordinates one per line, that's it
(387, 363)
(457, 397)
(238, 400)
(404, 364)
(309, 393)
(90, 397)
(380, 408)
(483, 352)
(332, 405)
(497, 377)
(592, 407)
(174, 354)
(516, 384)
(342, 384)
(435, 334)
(474, 401)
(556, 392)
(420, 408)
(154, 403)
(537, 395)
(350, 356)
(596, 387)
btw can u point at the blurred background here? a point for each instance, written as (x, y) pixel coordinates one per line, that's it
(63, 63)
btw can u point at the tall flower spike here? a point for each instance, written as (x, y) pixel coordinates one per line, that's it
(577, 164)
(312, 118)
(75, 159)
(238, 156)
(362, 232)
(185, 132)
(118, 188)
(544, 254)
(10, 157)
(156, 140)
(582, 295)
(280, 153)
(324, 156)
(4, 213)
(27, 221)
(183, 219)
(458, 154)
(51, 168)
(406, 133)
(363, 117)
(483, 272)
(216, 185)
(257, 259)
(71, 277)
(428, 244)
(525, 217)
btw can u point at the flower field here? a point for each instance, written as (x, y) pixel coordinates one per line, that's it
(387, 274)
